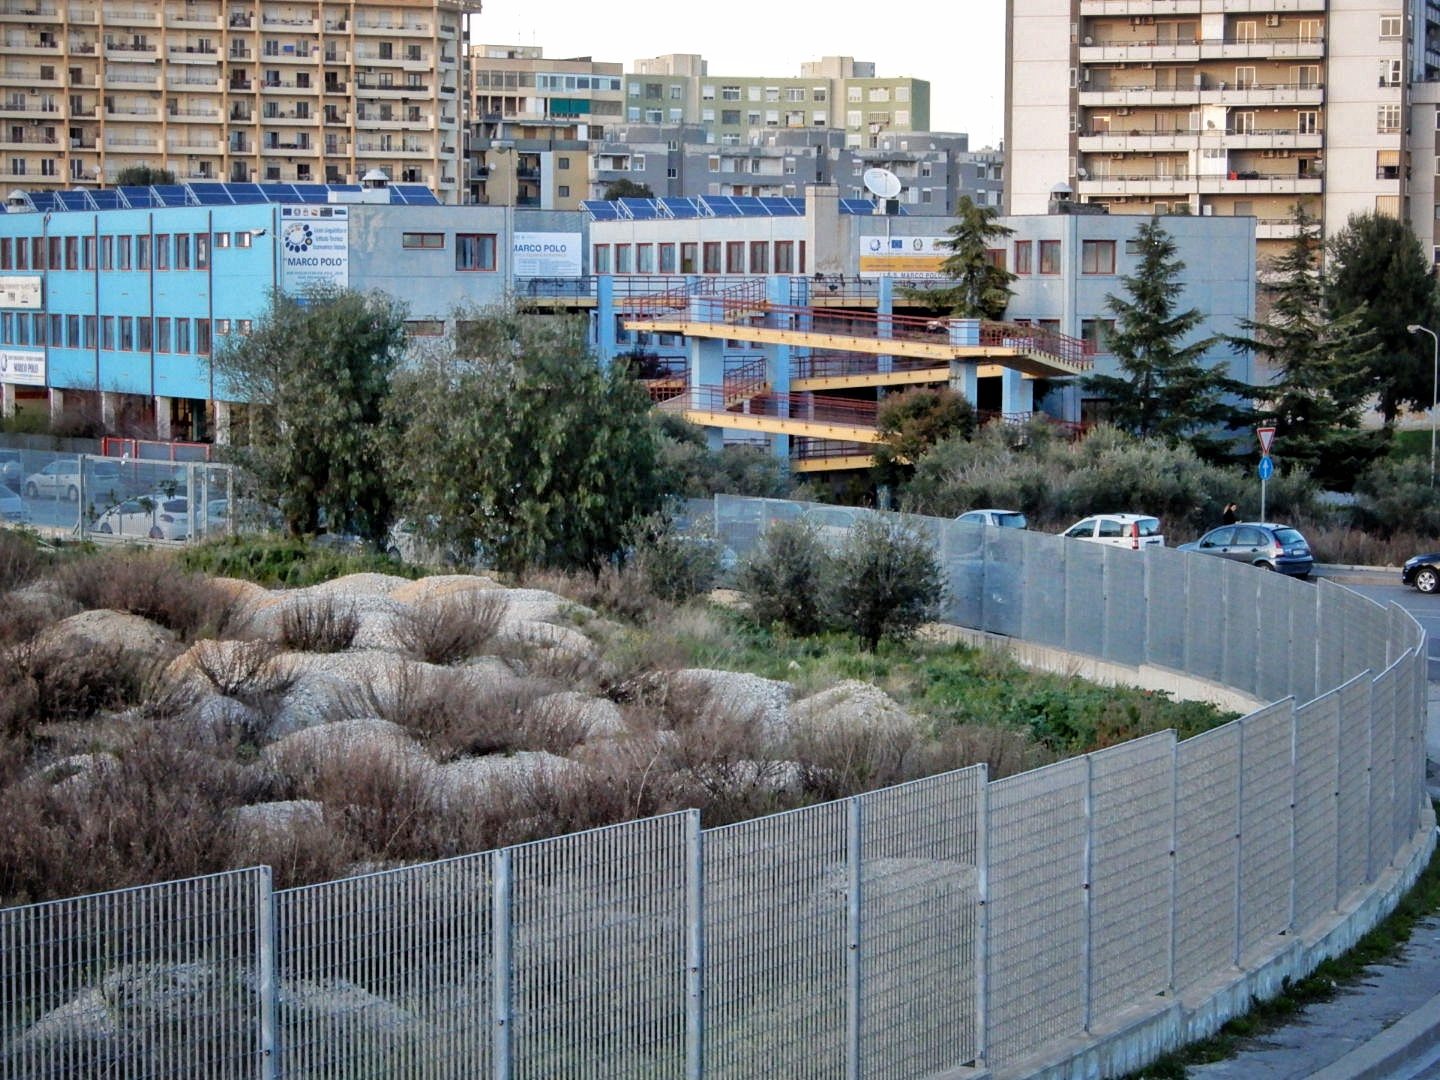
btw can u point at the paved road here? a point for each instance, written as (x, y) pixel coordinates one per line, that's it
(1385, 587)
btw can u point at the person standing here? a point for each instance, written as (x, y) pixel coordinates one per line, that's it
(1229, 517)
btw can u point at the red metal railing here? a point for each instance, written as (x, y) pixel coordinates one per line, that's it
(154, 449)
(828, 363)
(807, 449)
(814, 408)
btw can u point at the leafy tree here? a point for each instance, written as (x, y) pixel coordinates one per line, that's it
(1165, 388)
(784, 578)
(981, 290)
(1320, 385)
(689, 469)
(143, 176)
(323, 438)
(520, 445)
(1378, 273)
(912, 423)
(625, 188)
(887, 581)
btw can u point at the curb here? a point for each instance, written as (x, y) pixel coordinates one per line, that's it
(1400, 1044)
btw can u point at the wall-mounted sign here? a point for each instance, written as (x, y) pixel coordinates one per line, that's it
(314, 248)
(22, 367)
(540, 254)
(20, 292)
(911, 256)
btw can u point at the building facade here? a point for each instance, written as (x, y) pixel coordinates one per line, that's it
(1244, 108)
(834, 92)
(256, 90)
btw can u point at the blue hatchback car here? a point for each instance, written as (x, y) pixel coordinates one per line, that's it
(1260, 543)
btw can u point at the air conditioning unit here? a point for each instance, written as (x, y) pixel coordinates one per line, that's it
(1123, 111)
(1117, 157)
(1273, 19)
(1207, 211)
(1134, 20)
(1147, 20)
(1147, 64)
(1268, 153)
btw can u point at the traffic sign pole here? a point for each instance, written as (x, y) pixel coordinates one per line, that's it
(1266, 435)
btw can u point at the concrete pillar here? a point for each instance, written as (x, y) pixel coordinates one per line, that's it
(606, 347)
(162, 418)
(965, 379)
(827, 235)
(1017, 393)
(707, 364)
(222, 423)
(109, 410)
(7, 400)
(57, 405)
(884, 308)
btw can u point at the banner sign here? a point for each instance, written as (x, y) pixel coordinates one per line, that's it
(537, 254)
(22, 368)
(19, 292)
(314, 248)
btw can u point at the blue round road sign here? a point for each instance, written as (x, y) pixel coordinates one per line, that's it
(1267, 467)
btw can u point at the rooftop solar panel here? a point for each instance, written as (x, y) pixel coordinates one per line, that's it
(246, 193)
(73, 200)
(44, 201)
(137, 198)
(172, 194)
(415, 194)
(105, 198)
(681, 207)
(639, 209)
(600, 210)
(279, 193)
(312, 193)
(782, 206)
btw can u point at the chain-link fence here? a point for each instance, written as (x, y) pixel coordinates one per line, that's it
(946, 922)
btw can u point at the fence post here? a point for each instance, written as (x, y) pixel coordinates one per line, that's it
(267, 981)
(1239, 842)
(80, 497)
(982, 912)
(694, 947)
(853, 910)
(1294, 800)
(500, 1048)
(1086, 860)
(1174, 858)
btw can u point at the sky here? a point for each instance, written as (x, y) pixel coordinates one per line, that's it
(959, 47)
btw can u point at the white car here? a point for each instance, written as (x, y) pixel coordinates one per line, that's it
(156, 517)
(61, 480)
(1119, 530)
(12, 507)
(1001, 519)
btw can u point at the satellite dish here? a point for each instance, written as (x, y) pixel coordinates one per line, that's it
(882, 183)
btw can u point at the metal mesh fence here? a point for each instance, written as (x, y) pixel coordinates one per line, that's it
(1207, 815)
(388, 973)
(1132, 817)
(1331, 633)
(597, 925)
(918, 929)
(1266, 824)
(1317, 726)
(1239, 629)
(1273, 642)
(1035, 970)
(1305, 644)
(775, 945)
(1168, 592)
(1353, 800)
(1205, 618)
(163, 982)
(1042, 576)
(1381, 814)
(1084, 597)
(1125, 605)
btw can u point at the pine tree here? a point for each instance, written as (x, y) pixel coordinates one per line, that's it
(1320, 384)
(981, 290)
(1165, 389)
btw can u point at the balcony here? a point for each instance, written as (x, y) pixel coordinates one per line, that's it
(365, 86)
(129, 52)
(287, 86)
(194, 116)
(1100, 93)
(293, 22)
(208, 147)
(1137, 184)
(1255, 182)
(335, 87)
(82, 48)
(1144, 139)
(133, 112)
(27, 12)
(288, 116)
(242, 20)
(1139, 7)
(289, 148)
(133, 80)
(23, 77)
(403, 150)
(193, 54)
(1283, 228)
(83, 15)
(1156, 51)
(240, 52)
(189, 20)
(132, 18)
(291, 55)
(192, 79)
(31, 139)
(129, 143)
(388, 27)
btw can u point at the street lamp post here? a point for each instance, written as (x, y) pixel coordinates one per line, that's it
(1434, 390)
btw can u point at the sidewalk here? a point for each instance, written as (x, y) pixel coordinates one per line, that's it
(1386, 1026)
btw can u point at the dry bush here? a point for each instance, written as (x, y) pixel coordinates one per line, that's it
(618, 591)
(318, 625)
(449, 629)
(155, 811)
(59, 682)
(690, 636)
(24, 615)
(249, 671)
(840, 759)
(21, 561)
(151, 585)
(302, 853)
(1350, 546)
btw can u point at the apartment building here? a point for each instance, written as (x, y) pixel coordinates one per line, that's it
(233, 90)
(935, 168)
(835, 91)
(1210, 107)
(532, 120)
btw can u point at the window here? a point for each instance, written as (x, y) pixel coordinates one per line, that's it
(243, 239)
(784, 256)
(759, 257)
(87, 252)
(1049, 256)
(202, 337)
(143, 339)
(72, 331)
(162, 251)
(1305, 122)
(1097, 333)
(474, 251)
(1390, 72)
(645, 258)
(142, 252)
(202, 251)
(995, 257)
(5, 256)
(22, 255)
(182, 335)
(712, 257)
(563, 191)
(1387, 119)
(89, 322)
(424, 327)
(429, 241)
(735, 256)
(667, 258)
(54, 254)
(222, 240)
(107, 332)
(222, 327)
(122, 253)
(72, 253)
(1023, 250)
(689, 253)
(729, 93)
(624, 259)
(1390, 26)
(162, 335)
(1097, 256)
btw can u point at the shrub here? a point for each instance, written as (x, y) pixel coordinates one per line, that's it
(448, 629)
(42, 683)
(677, 565)
(318, 624)
(1396, 494)
(21, 559)
(619, 591)
(784, 578)
(286, 561)
(887, 581)
(148, 584)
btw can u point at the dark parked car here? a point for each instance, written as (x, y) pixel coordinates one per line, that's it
(1422, 571)
(1260, 543)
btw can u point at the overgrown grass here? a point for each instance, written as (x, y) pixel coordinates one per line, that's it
(286, 561)
(1382, 944)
